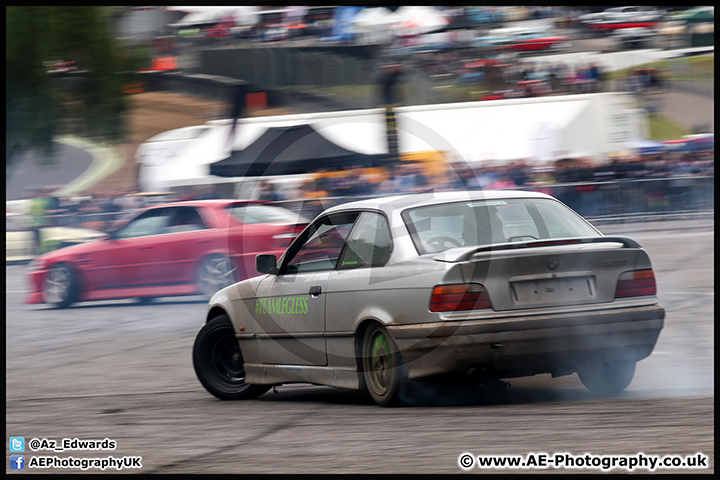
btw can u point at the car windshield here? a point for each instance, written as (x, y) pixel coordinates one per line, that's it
(259, 213)
(437, 228)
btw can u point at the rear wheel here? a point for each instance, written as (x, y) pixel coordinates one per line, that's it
(608, 377)
(61, 287)
(382, 366)
(219, 363)
(214, 274)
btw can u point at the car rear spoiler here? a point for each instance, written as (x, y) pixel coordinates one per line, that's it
(464, 254)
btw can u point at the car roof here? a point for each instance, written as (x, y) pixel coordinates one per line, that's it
(402, 202)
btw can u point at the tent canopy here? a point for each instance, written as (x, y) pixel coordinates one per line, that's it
(418, 20)
(373, 17)
(372, 25)
(700, 14)
(290, 150)
(199, 16)
(541, 128)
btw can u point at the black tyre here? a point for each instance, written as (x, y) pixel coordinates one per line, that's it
(214, 274)
(60, 286)
(384, 372)
(607, 378)
(219, 363)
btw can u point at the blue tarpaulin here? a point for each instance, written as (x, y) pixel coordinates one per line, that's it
(647, 147)
(342, 27)
(692, 144)
(702, 142)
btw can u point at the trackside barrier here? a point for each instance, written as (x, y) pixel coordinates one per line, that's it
(622, 200)
(609, 201)
(636, 198)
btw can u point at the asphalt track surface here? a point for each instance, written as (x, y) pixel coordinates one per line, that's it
(121, 370)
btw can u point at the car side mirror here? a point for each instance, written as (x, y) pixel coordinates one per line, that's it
(266, 263)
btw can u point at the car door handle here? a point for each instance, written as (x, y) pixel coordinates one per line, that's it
(315, 291)
(145, 248)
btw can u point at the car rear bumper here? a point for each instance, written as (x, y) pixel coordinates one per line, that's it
(34, 280)
(520, 346)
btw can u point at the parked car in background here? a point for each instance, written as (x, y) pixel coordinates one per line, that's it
(182, 248)
(458, 286)
(20, 244)
(623, 17)
(532, 40)
(493, 42)
(518, 39)
(636, 37)
(276, 32)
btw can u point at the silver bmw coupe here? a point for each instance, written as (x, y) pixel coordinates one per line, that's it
(464, 286)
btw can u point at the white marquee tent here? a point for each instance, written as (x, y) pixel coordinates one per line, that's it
(538, 129)
(244, 15)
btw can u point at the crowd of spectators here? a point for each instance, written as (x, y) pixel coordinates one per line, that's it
(528, 79)
(45, 208)
(685, 182)
(626, 184)
(502, 75)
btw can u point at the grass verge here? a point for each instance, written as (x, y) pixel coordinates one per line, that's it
(662, 128)
(685, 69)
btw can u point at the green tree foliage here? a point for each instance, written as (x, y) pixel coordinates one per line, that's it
(88, 101)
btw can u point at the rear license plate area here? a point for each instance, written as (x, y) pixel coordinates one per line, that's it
(554, 291)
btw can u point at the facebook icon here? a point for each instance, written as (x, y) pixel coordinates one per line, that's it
(17, 462)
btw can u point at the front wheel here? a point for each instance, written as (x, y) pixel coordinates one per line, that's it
(214, 274)
(219, 363)
(61, 287)
(607, 378)
(382, 366)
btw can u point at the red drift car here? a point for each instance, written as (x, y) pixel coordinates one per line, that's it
(183, 248)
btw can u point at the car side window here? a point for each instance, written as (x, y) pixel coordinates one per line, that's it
(321, 245)
(185, 219)
(151, 222)
(369, 243)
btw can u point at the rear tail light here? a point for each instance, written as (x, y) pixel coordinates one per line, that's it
(452, 298)
(636, 284)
